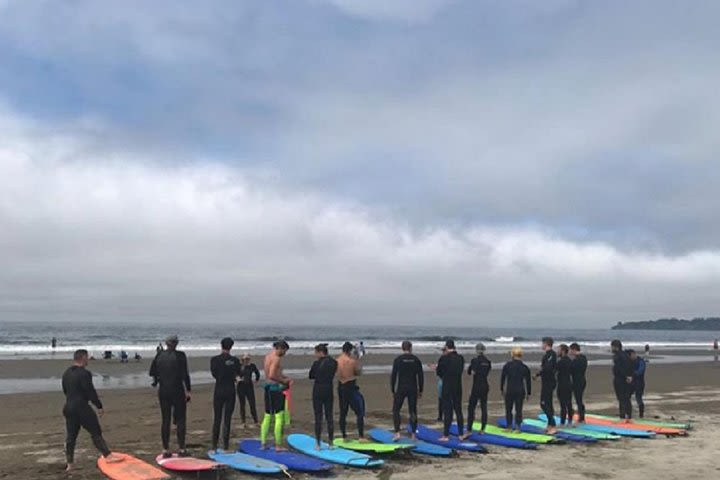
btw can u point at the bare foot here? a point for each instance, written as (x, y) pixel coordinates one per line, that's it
(317, 447)
(363, 440)
(279, 448)
(263, 446)
(112, 458)
(465, 436)
(444, 439)
(552, 431)
(413, 437)
(396, 437)
(69, 468)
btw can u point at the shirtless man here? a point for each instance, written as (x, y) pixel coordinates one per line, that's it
(349, 395)
(276, 384)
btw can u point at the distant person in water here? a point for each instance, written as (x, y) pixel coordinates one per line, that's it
(248, 376)
(170, 374)
(622, 379)
(159, 348)
(450, 369)
(323, 372)
(276, 383)
(137, 357)
(361, 349)
(515, 387)
(349, 396)
(224, 368)
(479, 369)
(124, 357)
(77, 385)
(407, 382)
(53, 342)
(647, 349)
(564, 384)
(638, 382)
(578, 368)
(548, 382)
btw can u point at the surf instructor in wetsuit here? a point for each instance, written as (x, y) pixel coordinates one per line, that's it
(622, 379)
(578, 367)
(246, 388)
(479, 369)
(548, 383)
(170, 374)
(450, 369)
(349, 396)
(406, 382)
(275, 384)
(224, 369)
(323, 373)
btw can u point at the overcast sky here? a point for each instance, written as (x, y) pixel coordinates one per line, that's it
(481, 162)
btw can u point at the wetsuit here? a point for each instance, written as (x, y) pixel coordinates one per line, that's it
(78, 388)
(169, 369)
(638, 384)
(451, 367)
(323, 372)
(565, 389)
(224, 369)
(548, 383)
(578, 367)
(479, 368)
(406, 382)
(622, 369)
(515, 385)
(349, 396)
(246, 389)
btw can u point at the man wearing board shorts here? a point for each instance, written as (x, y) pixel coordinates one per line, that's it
(275, 387)
(349, 395)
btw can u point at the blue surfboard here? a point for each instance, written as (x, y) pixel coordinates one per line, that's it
(499, 440)
(420, 447)
(293, 461)
(246, 463)
(565, 435)
(306, 444)
(433, 436)
(623, 432)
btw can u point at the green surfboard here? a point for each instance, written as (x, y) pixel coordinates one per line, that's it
(372, 447)
(528, 437)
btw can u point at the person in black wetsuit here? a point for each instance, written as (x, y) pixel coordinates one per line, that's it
(622, 379)
(578, 367)
(169, 370)
(564, 385)
(246, 388)
(548, 382)
(515, 387)
(224, 369)
(638, 383)
(77, 385)
(450, 369)
(406, 382)
(479, 369)
(323, 372)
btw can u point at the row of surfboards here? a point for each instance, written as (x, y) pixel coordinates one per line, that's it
(251, 458)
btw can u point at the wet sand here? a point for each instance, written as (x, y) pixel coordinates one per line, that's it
(32, 428)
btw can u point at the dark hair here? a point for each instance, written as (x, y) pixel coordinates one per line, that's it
(616, 344)
(321, 348)
(548, 341)
(227, 343)
(407, 346)
(80, 354)
(450, 344)
(564, 348)
(575, 346)
(281, 344)
(630, 351)
(347, 347)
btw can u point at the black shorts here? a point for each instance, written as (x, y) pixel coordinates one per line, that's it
(274, 401)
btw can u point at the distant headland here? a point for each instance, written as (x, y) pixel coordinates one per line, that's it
(699, 324)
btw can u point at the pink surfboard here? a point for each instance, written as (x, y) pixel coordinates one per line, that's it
(186, 464)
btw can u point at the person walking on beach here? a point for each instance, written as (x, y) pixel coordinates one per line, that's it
(479, 369)
(323, 373)
(622, 379)
(170, 374)
(578, 368)
(275, 386)
(224, 369)
(450, 369)
(349, 396)
(406, 382)
(638, 382)
(77, 385)
(246, 388)
(515, 387)
(564, 385)
(548, 382)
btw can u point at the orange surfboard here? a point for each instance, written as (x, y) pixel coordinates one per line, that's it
(591, 420)
(131, 468)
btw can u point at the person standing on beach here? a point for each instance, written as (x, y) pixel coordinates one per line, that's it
(77, 385)
(450, 369)
(548, 382)
(578, 368)
(170, 371)
(622, 379)
(638, 383)
(515, 387)
(53, 343)
(246, 388)
(349, 396)
(323, 372)
(479, 369)
(564, 385)
(224, 369)
(275, 386)
(406, 382)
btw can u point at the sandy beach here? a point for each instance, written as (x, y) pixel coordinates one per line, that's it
(32, 428)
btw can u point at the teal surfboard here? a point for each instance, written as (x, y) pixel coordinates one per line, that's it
(246, 463)
(306, 444)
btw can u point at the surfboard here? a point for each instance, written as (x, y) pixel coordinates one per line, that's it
(246, 463)
(594, 420)
(575, 429)
(613, 429)
(131, 468)
(185, 464)
(293, 461)
(433, 436)
(418, 446)
(570, 434)
(528, 437)
(644, 421)
(371, 447)
(306, 444)
(490, 439)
